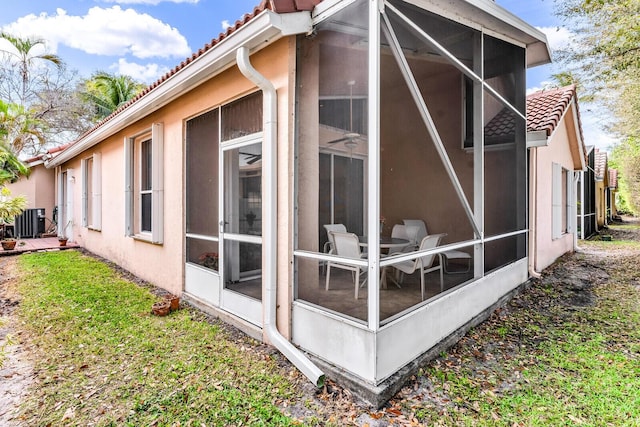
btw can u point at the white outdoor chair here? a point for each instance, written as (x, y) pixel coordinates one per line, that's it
(424, 264)
(399, 231)
(420, 231)
(329, 246)
(347, 246)
(416, 230)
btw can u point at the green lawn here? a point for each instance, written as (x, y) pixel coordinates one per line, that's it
(102, 359)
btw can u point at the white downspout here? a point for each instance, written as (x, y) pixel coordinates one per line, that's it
(574, 203)
(533, 214)
(269, 162)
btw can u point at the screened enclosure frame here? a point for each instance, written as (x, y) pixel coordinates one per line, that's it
(379, 25)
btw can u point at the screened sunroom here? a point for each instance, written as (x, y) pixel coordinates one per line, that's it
(410, 175)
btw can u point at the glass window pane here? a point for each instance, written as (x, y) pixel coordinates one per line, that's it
(243, 268)
(202, 174)
(145, 212)
(203, 253)
(145, 165)
(244, 175)
(242, 117)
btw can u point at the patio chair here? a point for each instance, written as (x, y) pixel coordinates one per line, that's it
(347, 246)
(416, 230)
(329, 245)
(424, 264)
(399, 231)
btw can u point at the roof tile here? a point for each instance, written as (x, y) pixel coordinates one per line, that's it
(600, 164)
(546, 108)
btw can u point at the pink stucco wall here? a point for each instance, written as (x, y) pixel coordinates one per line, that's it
(546, 249)
(163, 265)
(39, 188)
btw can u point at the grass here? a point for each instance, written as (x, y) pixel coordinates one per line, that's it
(103, 360)
(546, 366)
(541, 361)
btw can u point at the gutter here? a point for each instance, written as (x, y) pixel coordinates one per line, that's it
(269, 158)
(260, 31)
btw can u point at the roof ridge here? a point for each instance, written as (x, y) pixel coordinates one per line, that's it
(277, 6)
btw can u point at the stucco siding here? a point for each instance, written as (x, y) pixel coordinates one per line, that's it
(558, 151)
(163, 264)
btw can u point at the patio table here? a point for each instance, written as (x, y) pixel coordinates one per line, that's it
(386, 243)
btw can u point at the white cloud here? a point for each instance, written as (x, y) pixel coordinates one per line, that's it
(151, 2)
(147, 73)
(543, 85)
(558, 37)
(111, 31)
(225, 24)
(593, 128)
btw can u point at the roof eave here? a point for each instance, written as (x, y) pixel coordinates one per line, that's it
(261, 31)
(494, 18)
(537, 138)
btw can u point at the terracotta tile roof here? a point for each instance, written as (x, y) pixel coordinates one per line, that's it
(52, 152)
(278, 6)
(613, 178)
(501, 127)
(600, 164)
(544, 111)
(545, 108)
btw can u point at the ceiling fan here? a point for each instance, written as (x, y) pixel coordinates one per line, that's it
(251, 158)
(349, 138)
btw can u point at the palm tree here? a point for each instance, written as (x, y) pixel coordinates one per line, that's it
(11, 168)
(23, 53)
(19, 128)
(107, 92)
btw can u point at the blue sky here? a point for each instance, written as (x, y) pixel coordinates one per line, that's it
(146, 38)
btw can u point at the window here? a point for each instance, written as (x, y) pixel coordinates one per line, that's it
(144, 185)
(92, 192)
(561, 201)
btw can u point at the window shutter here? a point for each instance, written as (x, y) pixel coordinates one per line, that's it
(96, 192)
(556, 194)
(85, 193)
(157, 186)
(128, 187)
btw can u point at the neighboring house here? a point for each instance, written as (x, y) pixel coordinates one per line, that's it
(216, 182)
(557, 152)
(40, 186)
(613, 189)
(602, 188)
(586, 194)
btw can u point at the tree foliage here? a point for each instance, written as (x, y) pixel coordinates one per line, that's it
(19, 127)
(107, 92)
(605, 57)
(24, 54)
(11, 168)
(39, 88)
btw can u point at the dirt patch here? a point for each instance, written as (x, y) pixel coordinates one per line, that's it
(16, 370)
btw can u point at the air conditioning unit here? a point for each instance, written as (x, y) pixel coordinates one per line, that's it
(29, 224)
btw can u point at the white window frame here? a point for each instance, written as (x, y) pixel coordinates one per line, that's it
(92, 192)
(562, 210)
(133, 202)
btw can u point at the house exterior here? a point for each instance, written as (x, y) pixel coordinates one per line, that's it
(601, 172)
(557, 154)
(586, 207)
(217, 181)
(613, 189)
(39, 187)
